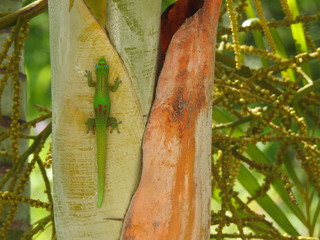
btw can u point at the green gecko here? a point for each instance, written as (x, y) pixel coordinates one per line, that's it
(99, 124)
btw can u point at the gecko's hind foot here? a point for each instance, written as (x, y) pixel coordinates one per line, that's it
(91, 125)
(114, 124)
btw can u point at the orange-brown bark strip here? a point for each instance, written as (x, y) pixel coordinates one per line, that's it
(173, 197)
(174, 17)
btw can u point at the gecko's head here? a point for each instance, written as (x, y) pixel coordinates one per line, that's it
(102, 64)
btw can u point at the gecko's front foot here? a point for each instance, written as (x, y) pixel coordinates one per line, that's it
(114, 124)
(88, 75)
(91, 124)
(114, 87)
(117, 81)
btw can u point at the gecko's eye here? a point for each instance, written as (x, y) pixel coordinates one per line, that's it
(106, 66)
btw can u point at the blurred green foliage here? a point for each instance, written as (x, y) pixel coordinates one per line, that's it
(37, 69)
(37, 64)
(258, 124)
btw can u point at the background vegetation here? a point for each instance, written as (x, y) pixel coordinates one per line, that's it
(266, 162)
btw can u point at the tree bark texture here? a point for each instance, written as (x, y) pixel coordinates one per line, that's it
(173, 197)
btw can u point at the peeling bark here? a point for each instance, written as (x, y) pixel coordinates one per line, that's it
(173, 198)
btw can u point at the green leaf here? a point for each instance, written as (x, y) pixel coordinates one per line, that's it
(257, 35)
(165, 4)
(250, 183)
(256, 154)
(298, 35)
(281, 51)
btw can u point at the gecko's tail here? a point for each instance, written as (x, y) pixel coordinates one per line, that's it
(100, 189)
(101, 134)
(100, 199)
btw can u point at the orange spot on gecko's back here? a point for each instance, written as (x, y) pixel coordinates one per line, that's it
(101, 110)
